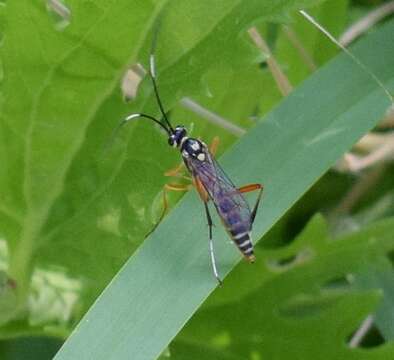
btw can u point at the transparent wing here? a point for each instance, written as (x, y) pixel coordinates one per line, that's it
(220, 188)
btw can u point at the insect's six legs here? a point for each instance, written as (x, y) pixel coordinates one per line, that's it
(211, 251)
(253, 187)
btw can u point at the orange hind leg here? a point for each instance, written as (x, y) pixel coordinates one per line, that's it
(167, 188)
(249, 188)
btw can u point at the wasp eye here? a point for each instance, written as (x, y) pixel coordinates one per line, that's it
(171, 140)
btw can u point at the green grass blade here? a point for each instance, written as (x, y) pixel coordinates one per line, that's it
(169, 276)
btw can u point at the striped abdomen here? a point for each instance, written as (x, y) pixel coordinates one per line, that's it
(238, 226)
(244, 243)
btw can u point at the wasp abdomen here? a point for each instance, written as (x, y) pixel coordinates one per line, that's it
(244, 244)
(240, 233)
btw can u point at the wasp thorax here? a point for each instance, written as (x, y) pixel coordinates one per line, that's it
(193, 148)
(177, 136)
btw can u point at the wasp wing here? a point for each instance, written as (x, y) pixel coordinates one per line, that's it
(228, 200)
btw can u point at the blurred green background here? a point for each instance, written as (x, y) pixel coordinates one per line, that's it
(76, 203)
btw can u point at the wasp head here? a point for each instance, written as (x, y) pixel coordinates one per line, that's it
(177, 136)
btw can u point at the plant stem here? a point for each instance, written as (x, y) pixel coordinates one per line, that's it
(21, 262)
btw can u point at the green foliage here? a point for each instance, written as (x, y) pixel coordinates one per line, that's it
(72, 210)
(37, 348)
(306, 306)
(331, 15)
(295, 146)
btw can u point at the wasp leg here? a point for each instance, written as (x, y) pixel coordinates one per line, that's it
(211, 251)
(177, 172)
(253, 187)
(200, 189)
(205, 198)
(214, 145)
(171, 187)
(166, 189)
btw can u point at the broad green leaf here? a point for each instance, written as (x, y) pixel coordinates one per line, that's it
(169, 276)
(307, 308)
(46, 112)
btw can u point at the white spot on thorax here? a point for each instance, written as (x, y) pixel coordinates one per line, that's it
(201, 156)
(195, 146)
(185, 154)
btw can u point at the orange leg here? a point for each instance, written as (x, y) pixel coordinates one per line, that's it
(175, 171)
(253, 187)
(214, 145)
(250, 187)
(177, 187)
(166, 189)
(200, 189)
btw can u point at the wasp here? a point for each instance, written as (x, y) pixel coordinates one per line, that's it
(210, 180)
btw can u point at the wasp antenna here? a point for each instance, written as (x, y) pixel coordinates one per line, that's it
(155, 88)
(152, 72)
(127, 119)
(130, 117)
(139, 115)
(152, 65)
